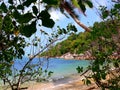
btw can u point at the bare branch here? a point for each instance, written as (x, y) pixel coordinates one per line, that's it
(31, 58)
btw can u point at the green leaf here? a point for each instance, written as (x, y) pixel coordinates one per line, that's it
(64, 31)
(10, 1)
(103, 75)
(79, 69)
(89, 3)
(82, 6)
(105, 14)
(21, 51)
(51, 2)
(25, 18)
(35, 10)
(116, 64)
(16, 14)
(47, 22)
(49, 73)
(1, 22)
(12, 7)
(88, 82)
(29, 29)
(20, 7)
(75, 3)
(3, 7)
(117, 6)
(114, 11)
(7, 24)
(44, 14)
(29, 2)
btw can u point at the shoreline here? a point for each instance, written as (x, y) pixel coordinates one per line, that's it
(73, 82)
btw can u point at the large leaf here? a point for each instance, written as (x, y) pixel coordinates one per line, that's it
(21, 7)
(12, 7)
(25, 18)
(44, 14)
(29, 29)
(35, 10)
(29, 2)
(16, 14)
(3, 7)
(10, 1)
(47, 22)
(51, 2)
(7, 24)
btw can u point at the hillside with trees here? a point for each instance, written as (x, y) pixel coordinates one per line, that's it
(104, 43)
(84, 41)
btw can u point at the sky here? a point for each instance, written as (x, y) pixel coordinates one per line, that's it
(92, 15)
(61, 20)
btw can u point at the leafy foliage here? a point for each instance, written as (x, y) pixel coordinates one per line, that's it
(104, 42)
(75, 43)
(18, 21)
(106, 36)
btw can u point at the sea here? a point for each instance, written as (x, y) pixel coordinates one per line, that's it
(60, 67)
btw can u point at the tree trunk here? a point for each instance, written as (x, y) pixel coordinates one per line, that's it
(79, 23)
(67, 6)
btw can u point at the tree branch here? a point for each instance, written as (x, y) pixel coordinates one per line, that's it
(69, 9)
(31, 58)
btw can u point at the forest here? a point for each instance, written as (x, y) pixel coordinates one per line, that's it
(84, 41)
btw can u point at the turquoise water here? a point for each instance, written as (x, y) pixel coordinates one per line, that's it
(60, 67)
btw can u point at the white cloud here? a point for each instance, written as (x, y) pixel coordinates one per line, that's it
(56, 15)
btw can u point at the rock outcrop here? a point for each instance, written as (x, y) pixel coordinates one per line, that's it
(84, 56)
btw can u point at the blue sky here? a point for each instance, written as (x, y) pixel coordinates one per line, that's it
(92, 15)
(62, 21)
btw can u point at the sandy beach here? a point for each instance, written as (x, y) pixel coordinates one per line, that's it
(74, 82)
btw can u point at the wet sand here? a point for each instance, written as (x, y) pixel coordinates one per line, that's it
(74, 82)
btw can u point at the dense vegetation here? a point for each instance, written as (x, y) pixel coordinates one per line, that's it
(79, 43)
(104, 43)
(19, 20)
(74, 44)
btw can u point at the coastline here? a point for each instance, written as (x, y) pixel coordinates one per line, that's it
(73, 82)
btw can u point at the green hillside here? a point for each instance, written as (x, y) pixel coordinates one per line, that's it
(79, 43)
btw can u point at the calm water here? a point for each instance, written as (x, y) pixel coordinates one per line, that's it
(60, 67)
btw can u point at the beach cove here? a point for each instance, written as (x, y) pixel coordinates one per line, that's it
(64, 74)
(73, 83)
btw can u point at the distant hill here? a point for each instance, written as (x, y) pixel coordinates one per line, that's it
(84, 41)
